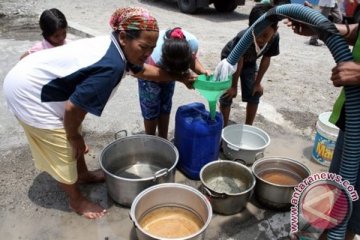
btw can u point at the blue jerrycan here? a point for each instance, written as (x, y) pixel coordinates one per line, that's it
(197, 138)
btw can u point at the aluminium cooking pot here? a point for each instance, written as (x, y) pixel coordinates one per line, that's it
(228, 185)
(134, 163)
(173, 195)
(276, 178)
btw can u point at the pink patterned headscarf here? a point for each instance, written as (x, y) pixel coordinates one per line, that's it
(133, 18)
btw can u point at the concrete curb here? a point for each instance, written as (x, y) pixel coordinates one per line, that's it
(82, 31)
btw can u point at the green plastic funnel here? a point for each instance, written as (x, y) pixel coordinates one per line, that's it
(211, 90)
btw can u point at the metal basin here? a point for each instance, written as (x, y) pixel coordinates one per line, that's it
(244, 143)
(276, 178)
(132, 164)
(228, 185)
(173, 195)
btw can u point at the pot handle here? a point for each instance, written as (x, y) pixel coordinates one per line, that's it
(131, 219)
(121, 133)
(232, 147)
(219, 195)
(240, 161)
(259, 155)
(160, 172)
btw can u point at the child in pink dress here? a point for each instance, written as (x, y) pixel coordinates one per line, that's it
(54, 27)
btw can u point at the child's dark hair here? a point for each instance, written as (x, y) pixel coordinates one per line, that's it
(281, 2)
(258, 10)
(51, 20)
(176, 52)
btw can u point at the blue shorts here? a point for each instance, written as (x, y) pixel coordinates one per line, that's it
(247, 79)
(354, 221)
(155, 98)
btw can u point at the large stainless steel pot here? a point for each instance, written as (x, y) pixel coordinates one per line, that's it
(170, 195)
(277, 195)
(134, 163)
(228, 185)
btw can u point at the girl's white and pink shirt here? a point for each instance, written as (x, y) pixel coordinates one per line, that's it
(41, 45)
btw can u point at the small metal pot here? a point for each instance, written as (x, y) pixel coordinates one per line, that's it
(275, 195)
(132, 164)
(228, 185)
(170, 195)
(244, 143)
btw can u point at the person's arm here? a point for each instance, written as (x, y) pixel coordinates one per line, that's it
(237, 73)
(232, 91)
(346, 74)
(73, 117)
(264, 65)
(24, 55)
(153, 73)
(157, 74)
(38, 46)
(198, 68)
(349, 31)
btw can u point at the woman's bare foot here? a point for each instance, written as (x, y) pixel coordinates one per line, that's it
(96, 176)
(87, 209)
(80, 204)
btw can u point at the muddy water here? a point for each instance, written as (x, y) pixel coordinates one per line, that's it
(171, 222)
(223, 184)
(280, 177)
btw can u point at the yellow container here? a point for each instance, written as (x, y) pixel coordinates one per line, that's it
(325, 140)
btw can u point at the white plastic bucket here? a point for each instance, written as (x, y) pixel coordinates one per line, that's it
(325, 139)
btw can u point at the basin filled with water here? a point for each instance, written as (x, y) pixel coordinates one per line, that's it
(228, 185)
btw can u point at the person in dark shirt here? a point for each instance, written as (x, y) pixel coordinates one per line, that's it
(265, 46)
